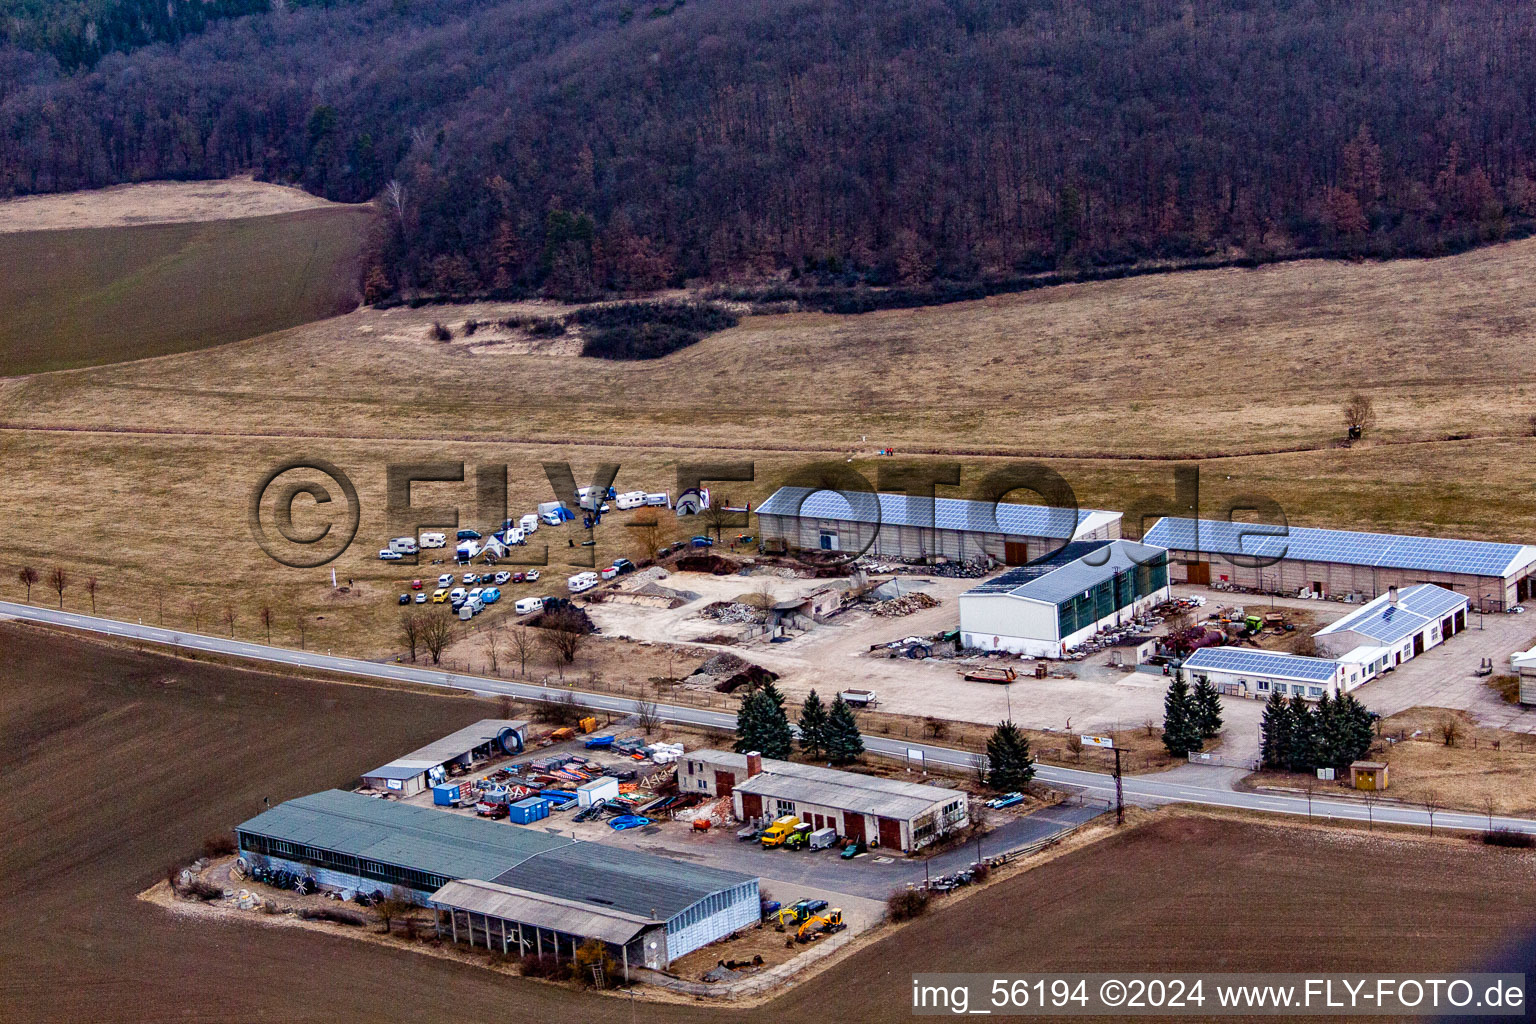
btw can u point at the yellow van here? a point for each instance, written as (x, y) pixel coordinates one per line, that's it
(780, 830)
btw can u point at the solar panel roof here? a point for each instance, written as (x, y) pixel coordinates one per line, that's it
(1262, 663)
(1385, 622)
(1019, 575)
(1065, 579)
(934, 513)
(1305, 543)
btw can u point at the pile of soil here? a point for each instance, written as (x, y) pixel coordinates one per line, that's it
(712, 564)
(565, 618)
(754, 676)
(722, 664)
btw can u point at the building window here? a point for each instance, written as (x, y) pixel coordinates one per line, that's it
(1263, 685)
(1314, 691)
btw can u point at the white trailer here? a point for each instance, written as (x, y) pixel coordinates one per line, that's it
(597, 791)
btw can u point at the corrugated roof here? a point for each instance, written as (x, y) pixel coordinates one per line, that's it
(1345, 547)
(1019, 575)
(657, 888)
(1387, 623)
(1063, 580)
(451, 845)
(1007, 518)
(1262, 663)
(449, 747)
(846, 791)
(541, 911)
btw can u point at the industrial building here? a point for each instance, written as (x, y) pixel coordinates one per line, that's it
(428, 766)
(1357, 648)
(1342, 563)
(1396, 626)
(1044, 609)
(516, 889)
(914, 528)
(1523, 664)
(889, 813)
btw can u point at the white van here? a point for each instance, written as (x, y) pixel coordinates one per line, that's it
(403, 545)
(529, 605)
(550, 518)
(434, 540)
(529, 523)
(582, 581)
(630, 499)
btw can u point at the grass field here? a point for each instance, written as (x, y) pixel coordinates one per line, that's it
(117, 762)
(139, 473)
(84, 296)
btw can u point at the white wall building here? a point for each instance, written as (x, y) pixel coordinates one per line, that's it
(1046, 608)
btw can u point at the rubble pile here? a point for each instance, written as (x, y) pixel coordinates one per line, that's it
(905, 605)
(733, 613)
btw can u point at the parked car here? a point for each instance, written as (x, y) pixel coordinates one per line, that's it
(476, 591)
(415, 584)
(469, 578)
(531, 575)
(490, 595)
(623, 565)
(501, 578)
(469, 535)
(850, 851)
(421, 597)
(701, 542)
(405, 598)
(439, 595)
(457, 595)
(445, 580)
(390, 556)
(519, 577)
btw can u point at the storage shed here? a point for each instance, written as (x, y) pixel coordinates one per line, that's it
(917, 529)
(1338, 563)
(428, 766)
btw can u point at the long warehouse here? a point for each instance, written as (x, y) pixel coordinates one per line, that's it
(916, 528)
(1342, 563)
(511, 888)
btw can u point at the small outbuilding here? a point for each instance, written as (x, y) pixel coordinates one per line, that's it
(1368, 775)
(413, 773)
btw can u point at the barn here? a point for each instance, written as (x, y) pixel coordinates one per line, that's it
(1342, 563)
(913, 528)
(1044, 609)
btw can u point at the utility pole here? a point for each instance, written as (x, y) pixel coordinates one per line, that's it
(1119, 792)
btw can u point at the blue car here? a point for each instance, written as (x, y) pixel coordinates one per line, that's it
(625, 821)
(490, 595)
(702, 542)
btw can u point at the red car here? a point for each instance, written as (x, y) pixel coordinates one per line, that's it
(517, 577)
(415, 584)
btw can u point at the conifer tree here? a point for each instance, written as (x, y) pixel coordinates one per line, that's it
(1009, 763)
(1207, 703)
(1301, 752)
(1275, 733)
(844, 744)
(813, 726)
(1181, 730)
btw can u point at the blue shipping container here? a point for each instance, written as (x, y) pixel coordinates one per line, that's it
(446, 794)
(526, 812)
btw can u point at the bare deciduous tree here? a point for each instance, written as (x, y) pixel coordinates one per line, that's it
(1450, 730)
(648, 717)
(1075, 746)
(229, 618)
(716, 518)
(27, 576)
(410, 631)
(1371, 797)
(492, 652)
(1431, 803)
(58, 579)
(301, 627)
(90, 588)
(195, 609)
(435, 633)
(521, 640)
(647, 534)
(1359, 414)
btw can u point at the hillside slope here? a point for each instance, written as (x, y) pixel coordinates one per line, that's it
(541, 144)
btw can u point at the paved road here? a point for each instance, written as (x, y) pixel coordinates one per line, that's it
(1148, 790)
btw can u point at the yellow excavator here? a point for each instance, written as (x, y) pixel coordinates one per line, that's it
(821, 924)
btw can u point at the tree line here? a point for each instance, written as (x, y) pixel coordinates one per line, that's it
(570, 148)
(1295, 737)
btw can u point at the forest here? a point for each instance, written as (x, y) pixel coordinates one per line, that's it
(580, 147)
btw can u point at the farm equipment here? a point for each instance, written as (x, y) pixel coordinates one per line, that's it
(822, 924)
(990, 675)
(798, 913)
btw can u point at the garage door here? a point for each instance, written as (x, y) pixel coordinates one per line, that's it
(1198, 573)
(724, 782)
(890, 833)
(1015, 552)
(751, 805)
(853, 827)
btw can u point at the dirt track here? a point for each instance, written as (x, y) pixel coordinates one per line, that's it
(116, 761)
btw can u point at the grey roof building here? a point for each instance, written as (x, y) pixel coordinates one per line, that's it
(477, 872)
(415, 771)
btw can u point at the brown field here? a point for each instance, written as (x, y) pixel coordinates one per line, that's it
(117, 762)
(155, 202)
(140, 473)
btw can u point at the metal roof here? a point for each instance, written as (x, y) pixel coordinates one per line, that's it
(1387, 623)
(1060, 581)
(1019, 575)
(437, 842)
(935, 513)
(541, 911)
(455, 744)
(611, 877)
(1262, 663)
(1309, 544)
(846, 791)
